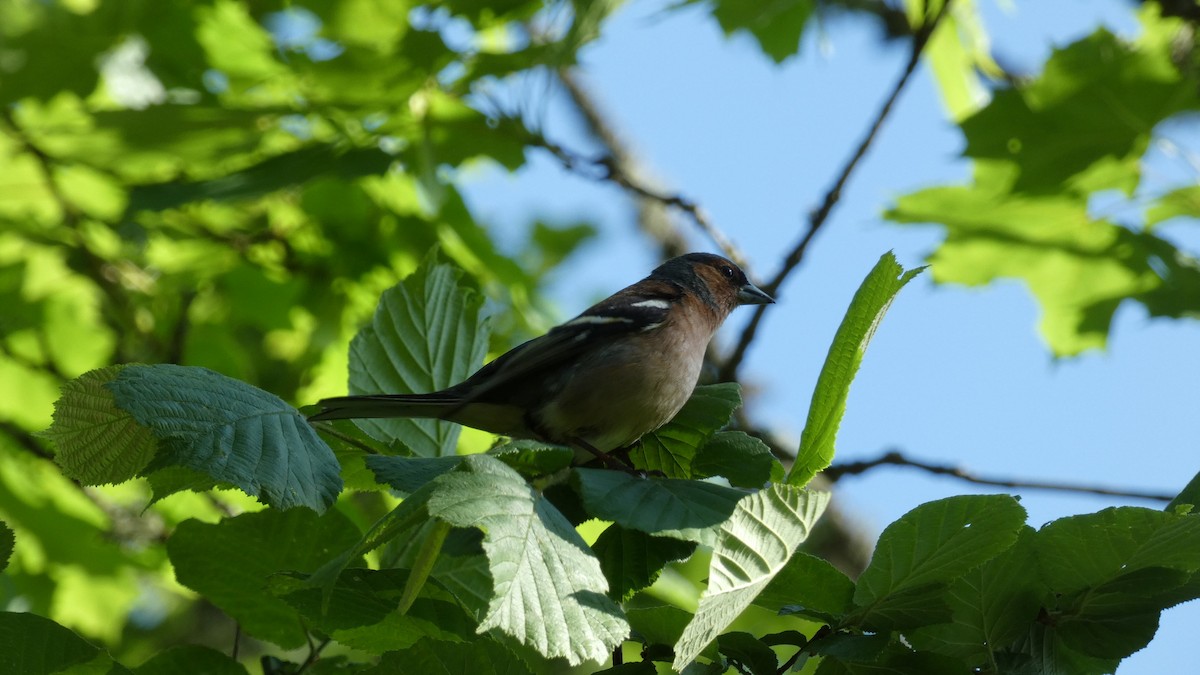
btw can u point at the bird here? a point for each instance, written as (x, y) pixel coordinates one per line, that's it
(599, 382)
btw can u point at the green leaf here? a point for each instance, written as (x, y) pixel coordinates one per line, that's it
(1050, 654)
(540, 566)
(1113, 572)
(658, 624)
(632, 560)
(427, 334)
(665, 507)
(811, 583)
(748, 653)
(1041, 151)
(1097, 99)
(956, 53)
(776, 26)
(866, 310)
(532, 458)
(993, 605)
(753, 546)
(229, 563)
(895, 660)
(441, 657)
(408, 474)
(98, 443)
(231, 431)
(1190, 495)
(363, 611)
(408, 517)
(742, 459)
(672, 448)
(1088, 551)
(168, 481)
(1042, 240)
(1110, 625)
(34, 645)
(1183, 202)
(190, 659)
(852, 647)
(928, 548)
(8, 542)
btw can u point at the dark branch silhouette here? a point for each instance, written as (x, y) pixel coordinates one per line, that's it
(897, 458)
(729, 369)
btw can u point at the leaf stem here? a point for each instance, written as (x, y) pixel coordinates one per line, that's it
(423, 565)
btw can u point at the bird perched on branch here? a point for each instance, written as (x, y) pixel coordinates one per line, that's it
(598, 382)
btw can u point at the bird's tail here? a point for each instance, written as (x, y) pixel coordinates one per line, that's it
(387, 405)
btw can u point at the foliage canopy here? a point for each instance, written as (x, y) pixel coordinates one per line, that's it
(212, 212)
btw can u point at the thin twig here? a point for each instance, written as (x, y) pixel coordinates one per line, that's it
(618, 166)
(729, 370)
(25, 439)
(897, 458)
(313, 654)
(608, 168)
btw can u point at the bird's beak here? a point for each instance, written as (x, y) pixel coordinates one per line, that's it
(749, 294)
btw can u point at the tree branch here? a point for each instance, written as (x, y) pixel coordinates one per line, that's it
(621, 168)
(818, 217)
(897, 458)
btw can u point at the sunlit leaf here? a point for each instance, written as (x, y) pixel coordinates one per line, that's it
(866, 311)
(98, 442)
(427, 334)
(539, 564)
(753, 546)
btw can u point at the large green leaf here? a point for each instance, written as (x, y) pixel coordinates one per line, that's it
(549, 591)
(1044, 240)
(190, 659)
(34, 645)
(753, 546)
(229, 563)
(1113, 573)
(363, 611)
(426, 335)
(744, 460)
(444, 657)
(866, 310)
(672, 448)
(992, 606)
(632, 560)
(1097, 100)
(1041, 150)
(809, 585)
(681, 509)
(1094, 549)
(98, 442)
(231, 431)
(776, 26)
(920, 554)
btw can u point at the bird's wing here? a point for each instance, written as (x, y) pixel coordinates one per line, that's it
(632, 311)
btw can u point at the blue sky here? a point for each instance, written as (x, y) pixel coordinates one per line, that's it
(955, 375)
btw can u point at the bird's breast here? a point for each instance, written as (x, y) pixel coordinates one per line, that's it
(626, 390)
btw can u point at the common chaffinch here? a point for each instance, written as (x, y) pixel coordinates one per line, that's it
(599, 382)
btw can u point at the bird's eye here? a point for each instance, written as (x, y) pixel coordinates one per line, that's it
(727, 271)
